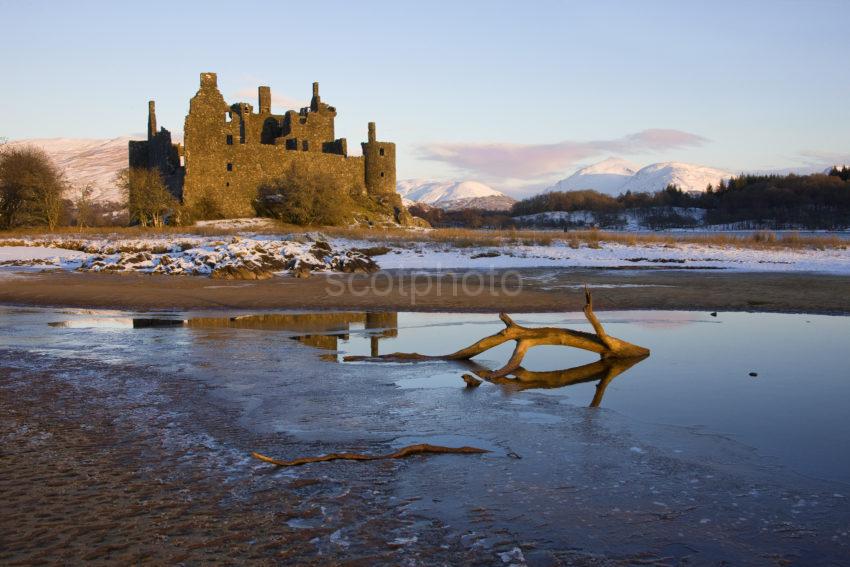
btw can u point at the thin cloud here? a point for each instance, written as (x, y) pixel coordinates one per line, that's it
(821, 159)
(530, 161)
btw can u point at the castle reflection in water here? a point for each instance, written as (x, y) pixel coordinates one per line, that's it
(320, 330)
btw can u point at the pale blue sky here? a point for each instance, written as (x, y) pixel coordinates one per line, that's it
(742, 85)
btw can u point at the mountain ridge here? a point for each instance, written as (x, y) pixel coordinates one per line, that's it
(452, 195)
(614, 176)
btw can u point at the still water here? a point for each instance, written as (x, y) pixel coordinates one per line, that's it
(685, 454)
(793, 410)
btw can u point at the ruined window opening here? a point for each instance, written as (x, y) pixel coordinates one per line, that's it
(381, 151)
(229, 140)
(227, 184)
(229, 167)
(382, 174)
(305, 145)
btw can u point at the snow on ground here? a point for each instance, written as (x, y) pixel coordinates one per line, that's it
(30, 253)
(250, 223)
(425, 256)
(231, 257)
(34, 258)
(194, 255)
(632, 219)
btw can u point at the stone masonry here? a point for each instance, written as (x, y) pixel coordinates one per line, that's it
(230, 151)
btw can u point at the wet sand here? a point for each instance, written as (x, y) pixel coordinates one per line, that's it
(542, 290)
(103, 477)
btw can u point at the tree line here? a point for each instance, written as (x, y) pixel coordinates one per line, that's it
(817, 201)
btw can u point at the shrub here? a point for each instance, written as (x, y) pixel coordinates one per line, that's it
(31, 187)
(147, 198)
(305, 199)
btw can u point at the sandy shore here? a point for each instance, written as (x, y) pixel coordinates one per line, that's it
(542, 289)
(93, 475)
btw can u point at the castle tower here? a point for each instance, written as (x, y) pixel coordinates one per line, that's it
(264, 94)
(206, 124)
(316, 101)
(209, 136)
(151, 120)
(209, 81)
(379, 165)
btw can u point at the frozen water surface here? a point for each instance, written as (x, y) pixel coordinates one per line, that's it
(688, 456)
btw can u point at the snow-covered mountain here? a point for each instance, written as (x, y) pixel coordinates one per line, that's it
(607, 177)
(614, 176)
(453, 194)
(686, 176)
(95, 161)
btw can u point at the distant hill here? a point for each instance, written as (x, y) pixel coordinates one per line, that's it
(489, 203)
(607, 176)
(95, 161)
(614, 176)
(454, 195)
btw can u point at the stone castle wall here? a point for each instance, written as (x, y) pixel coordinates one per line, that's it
(159, 151)
(230, 151)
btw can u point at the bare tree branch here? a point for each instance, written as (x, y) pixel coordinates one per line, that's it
(422, 448)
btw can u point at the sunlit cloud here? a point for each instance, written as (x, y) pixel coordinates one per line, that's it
(530, 161)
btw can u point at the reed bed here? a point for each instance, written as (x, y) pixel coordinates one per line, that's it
(464, 238)
(456, 237)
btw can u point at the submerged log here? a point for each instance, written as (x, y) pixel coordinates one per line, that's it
(419, 449)
(600, 342)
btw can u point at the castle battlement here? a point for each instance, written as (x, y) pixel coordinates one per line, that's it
(229, 151)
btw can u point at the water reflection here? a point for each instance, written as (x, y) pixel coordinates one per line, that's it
(325, 330)
(604, 371)
(318, 330)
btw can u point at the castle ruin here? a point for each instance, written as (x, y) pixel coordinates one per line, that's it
(229, 152)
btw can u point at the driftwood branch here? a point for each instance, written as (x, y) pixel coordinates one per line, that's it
(600, 342)
(422, 448)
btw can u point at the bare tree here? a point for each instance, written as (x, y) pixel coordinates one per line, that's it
(148, 200)
(83, 203)
(31, 187)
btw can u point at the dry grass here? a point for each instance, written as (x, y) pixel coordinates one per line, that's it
(465, 238)
(140, 232)
(460, 237)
